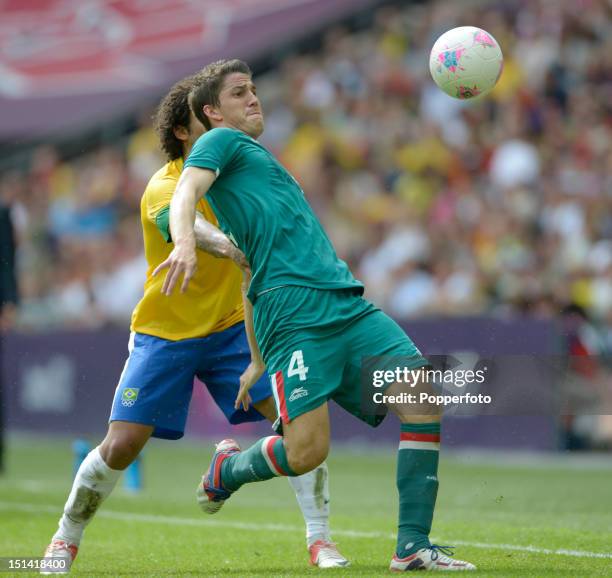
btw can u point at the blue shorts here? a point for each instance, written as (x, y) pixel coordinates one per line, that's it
(156, 384)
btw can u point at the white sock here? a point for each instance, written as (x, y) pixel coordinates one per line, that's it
(92, 485)
(312, 493)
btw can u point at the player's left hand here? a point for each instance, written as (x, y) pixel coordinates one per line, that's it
(250, 376)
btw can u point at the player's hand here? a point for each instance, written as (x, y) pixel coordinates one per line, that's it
(250, 376)
(182, 261)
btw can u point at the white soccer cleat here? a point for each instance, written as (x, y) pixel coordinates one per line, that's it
(61, 551)
(211, 494)
(326, 555)
(432, 558)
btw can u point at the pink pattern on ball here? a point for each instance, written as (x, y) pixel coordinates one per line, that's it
(481, 37)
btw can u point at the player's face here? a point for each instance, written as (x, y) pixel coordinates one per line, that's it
(239, 106)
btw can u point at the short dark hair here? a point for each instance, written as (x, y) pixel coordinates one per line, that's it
(208, 85)
(173, 111)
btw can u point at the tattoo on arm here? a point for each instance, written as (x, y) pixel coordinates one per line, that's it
(211, 239)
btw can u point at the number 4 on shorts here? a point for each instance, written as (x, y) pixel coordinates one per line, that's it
(296, 365)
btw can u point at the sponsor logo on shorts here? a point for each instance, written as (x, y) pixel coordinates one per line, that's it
(129, 396)
(297, 393)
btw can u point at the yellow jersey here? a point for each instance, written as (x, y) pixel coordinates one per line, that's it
(213, 300)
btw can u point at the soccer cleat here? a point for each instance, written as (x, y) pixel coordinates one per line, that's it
(432, 558)
(60, 550)
(211, 494)
(325, 554)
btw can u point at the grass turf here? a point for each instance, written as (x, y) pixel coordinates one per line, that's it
(259, 532)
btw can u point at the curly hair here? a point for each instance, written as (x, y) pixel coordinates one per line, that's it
(173, 111)
(207, 85)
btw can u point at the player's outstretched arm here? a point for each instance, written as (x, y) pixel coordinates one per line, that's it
(257, 366)
(211, 239)
(193, 185)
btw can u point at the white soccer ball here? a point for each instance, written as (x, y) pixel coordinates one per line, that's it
(466, 62)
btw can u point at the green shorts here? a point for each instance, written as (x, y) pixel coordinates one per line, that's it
(313, 342)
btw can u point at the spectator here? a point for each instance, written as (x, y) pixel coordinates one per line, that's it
(442, 206)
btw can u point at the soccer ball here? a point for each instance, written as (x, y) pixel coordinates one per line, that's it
(466, 62)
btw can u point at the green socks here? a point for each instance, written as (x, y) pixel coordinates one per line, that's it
(417, 484)
(417, 478)
(265, 459)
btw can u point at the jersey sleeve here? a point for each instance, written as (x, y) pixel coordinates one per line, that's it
(215, 150)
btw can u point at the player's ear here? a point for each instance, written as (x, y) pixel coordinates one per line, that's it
(181, 133)
(212, 113)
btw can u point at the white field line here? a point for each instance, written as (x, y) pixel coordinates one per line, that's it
(177, 521)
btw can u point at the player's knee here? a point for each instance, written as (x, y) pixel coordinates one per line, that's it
(119, 451)
(304, 458)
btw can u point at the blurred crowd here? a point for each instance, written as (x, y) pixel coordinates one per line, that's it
(441, 206)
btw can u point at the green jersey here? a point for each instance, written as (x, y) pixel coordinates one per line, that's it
(263, 210)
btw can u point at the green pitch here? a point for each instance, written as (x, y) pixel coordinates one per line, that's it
(510, 520)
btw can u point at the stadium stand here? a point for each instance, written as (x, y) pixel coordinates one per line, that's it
(441, 207)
